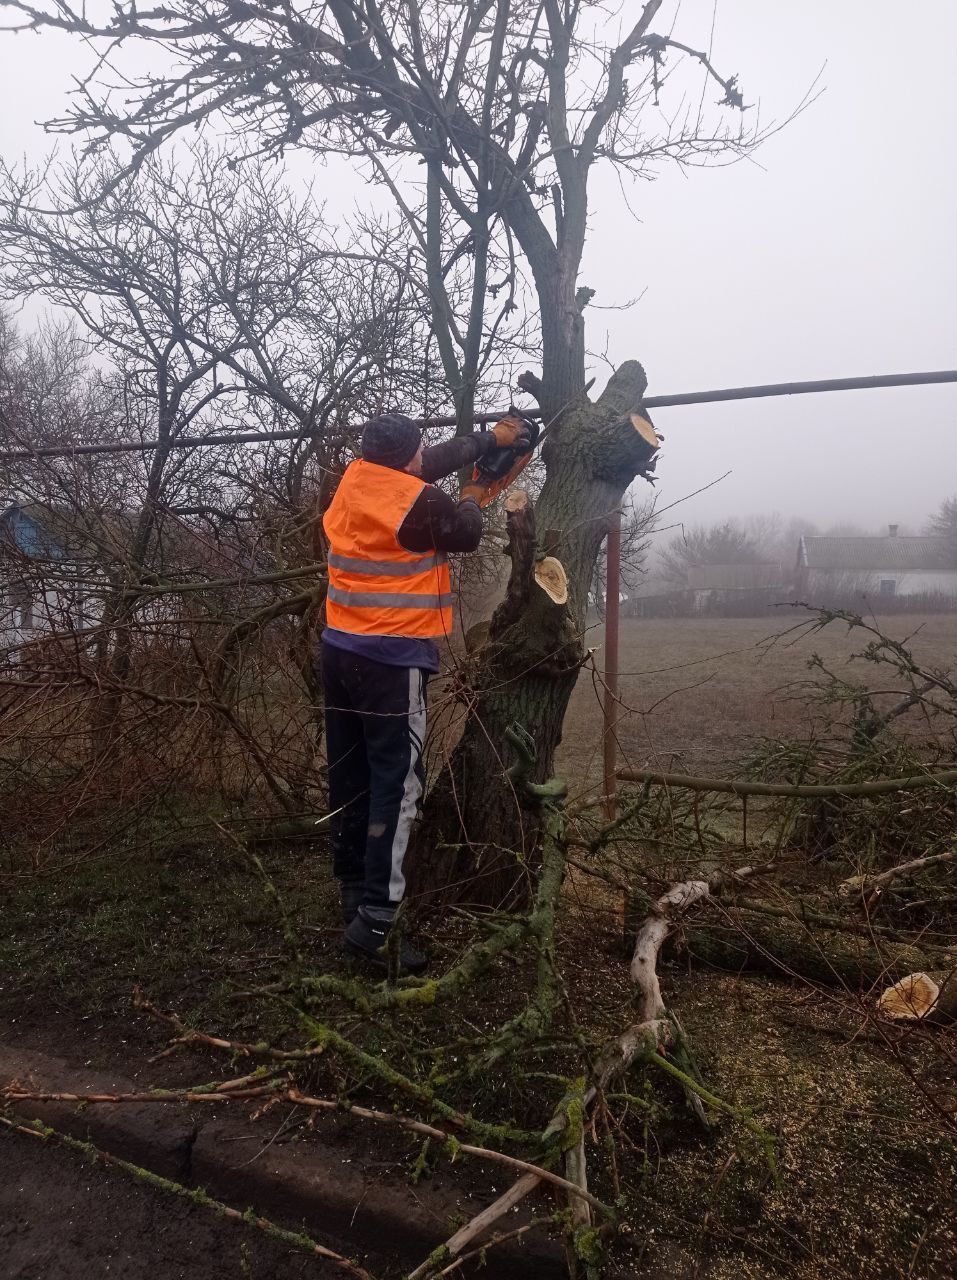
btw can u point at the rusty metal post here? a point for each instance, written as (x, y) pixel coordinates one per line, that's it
(610, 699)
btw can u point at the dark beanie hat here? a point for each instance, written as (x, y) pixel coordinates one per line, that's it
(391, 439)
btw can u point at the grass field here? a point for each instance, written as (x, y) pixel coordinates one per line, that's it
(698, 692)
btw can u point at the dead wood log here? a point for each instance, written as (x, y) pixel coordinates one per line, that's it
(482, 1221)
(658, 924)
(921, 997)
(576, 1171)
(651, 937)
(15, 1092)
(800, 913)
(790, 949)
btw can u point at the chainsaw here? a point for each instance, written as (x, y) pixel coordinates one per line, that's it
(500, 468)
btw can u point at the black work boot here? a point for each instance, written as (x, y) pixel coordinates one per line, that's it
(350, 892)
(368, 938)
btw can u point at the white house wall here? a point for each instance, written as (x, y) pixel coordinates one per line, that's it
(54, 609)
(906, 583)
(928, 581)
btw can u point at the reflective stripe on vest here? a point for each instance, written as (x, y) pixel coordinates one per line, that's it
(376, 586)
(387, 599)
(385, 568)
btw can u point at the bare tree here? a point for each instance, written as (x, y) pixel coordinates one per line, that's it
(727, 543)
(507, 105)
(210, 299)
(943, 524)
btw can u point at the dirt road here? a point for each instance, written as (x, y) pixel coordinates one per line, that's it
(61, 1219)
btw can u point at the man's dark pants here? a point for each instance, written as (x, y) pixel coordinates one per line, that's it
(375, 730)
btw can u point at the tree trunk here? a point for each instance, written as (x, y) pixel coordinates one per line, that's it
(476, 841)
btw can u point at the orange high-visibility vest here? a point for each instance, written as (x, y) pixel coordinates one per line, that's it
(376, 587)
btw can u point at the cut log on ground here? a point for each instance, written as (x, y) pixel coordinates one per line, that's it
(918, 997)
(798, 951)
(810, 791)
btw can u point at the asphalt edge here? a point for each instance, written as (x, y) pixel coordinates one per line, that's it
(337, 1200)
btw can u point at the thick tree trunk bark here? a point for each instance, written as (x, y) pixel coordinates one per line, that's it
(476, 843)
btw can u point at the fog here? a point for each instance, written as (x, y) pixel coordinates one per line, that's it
(831, 254)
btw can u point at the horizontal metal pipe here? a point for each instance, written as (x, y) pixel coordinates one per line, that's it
(144, 446)
(480, 419)
(872, 383)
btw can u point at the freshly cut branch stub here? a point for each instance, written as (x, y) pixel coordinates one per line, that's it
(645, 430)
(516, 500)
(917, 997)
(551, 577)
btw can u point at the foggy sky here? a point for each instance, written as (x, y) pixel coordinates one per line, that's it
(831, 254)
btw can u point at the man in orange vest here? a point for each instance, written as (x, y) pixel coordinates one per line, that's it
(389, 530)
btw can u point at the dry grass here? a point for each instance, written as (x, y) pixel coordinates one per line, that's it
(698, 692)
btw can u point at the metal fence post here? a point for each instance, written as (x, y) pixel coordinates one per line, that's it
(610, 699)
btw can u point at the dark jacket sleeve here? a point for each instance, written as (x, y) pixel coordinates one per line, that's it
(437, 522)
(440, 460)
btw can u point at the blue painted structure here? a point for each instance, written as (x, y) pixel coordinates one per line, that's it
(29, 605)
(28, 537)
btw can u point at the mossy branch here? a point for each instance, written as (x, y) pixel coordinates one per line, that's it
(377, 1067)
(767, 1140)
